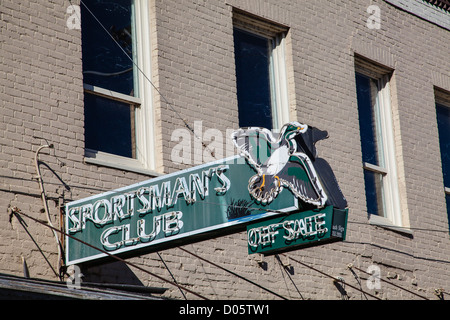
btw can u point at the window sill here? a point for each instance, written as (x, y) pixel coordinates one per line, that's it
(117, 162)
(387, 224)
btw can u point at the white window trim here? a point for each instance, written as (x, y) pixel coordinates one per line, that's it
(279, 87)
(374, 168)
(145, 136)
(113, 161)
(276, 35)
(387, 224)
(390, 180)
(391, 194)
(113, 95)
(443, 98)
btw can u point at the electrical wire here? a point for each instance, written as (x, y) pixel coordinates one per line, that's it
(167, 268)
(213, 203)
(233, 273)
(206, 147)
(357, 279)
(165, 99)
(400, 228)
(289, 276)
(330, 276)
(18, 212)
(44, 200)
(287, 213)
(218, 266)
(280, 212)
(351, 266)
(25, 227)
(439, 292)
(147, 78)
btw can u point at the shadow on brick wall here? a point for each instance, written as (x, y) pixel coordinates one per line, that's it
(114, 272)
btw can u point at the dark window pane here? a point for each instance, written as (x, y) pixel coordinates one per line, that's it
(443, 120)
(253, 82)
(109, 126)
(104, 63)
(366, 119)
(374, 192)
(447, 198)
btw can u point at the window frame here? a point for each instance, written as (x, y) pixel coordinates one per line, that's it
(144, 160)
(387, 167)
(276, 36)
(278, 79)
(442, 99)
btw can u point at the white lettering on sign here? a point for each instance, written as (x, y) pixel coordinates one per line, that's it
(170, 223)
(293, 230)
(144, 201)
(308, 226)
(151, 199)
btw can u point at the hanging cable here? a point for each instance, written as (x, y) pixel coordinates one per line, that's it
(233, 273)
(147, 78)
(180, 287)
(287, 213)
(357, 278)
(330, 276)
(288, 274)
(351, 266)
(340, 286)
(17, 211)
(402, 228)
(25, 227)
(439, 292)
(44, 200)
(170, 104)
(167, 268)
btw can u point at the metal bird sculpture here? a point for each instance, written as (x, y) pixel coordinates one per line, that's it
(279, 164)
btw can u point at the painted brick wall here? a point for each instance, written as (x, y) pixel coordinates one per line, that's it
(193, 67)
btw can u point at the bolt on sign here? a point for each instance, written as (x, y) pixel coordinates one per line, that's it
(275, 175)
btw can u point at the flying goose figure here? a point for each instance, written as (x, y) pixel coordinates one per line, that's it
(278, 164)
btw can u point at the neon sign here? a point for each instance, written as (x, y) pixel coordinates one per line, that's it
(191, 204)
(308, 228)
(216, 198)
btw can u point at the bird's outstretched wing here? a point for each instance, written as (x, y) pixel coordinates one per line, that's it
(300, 177)
(255, 144)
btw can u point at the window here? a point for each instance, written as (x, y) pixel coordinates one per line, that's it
(443, 121)
(377, 146)
(117, 98)
(259, 49)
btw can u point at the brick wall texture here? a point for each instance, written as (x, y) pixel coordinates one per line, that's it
(41, 94)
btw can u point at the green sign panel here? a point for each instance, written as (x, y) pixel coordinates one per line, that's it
(275, 175)
(307, 228)
(203, 200)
